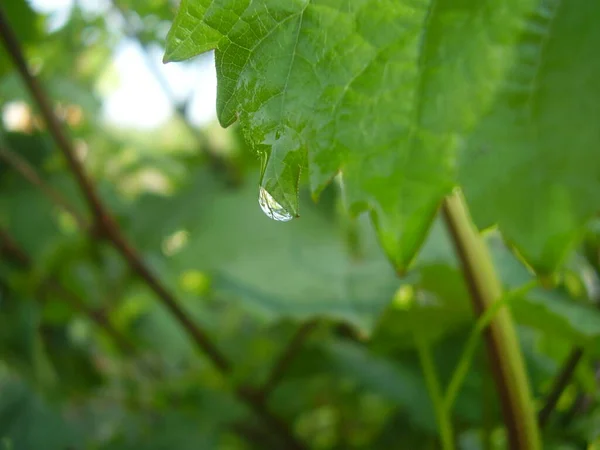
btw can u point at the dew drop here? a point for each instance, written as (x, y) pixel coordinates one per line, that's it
(271, 208)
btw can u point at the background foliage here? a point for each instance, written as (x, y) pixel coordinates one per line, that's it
(354, 380)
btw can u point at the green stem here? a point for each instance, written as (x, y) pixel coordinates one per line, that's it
(466, 358)
(508, 367)
(435, 392)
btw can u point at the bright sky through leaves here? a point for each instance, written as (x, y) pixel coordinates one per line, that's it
(127, 102)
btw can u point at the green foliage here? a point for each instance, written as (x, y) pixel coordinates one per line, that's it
(387, 93)
(375, 109)
(540, 138)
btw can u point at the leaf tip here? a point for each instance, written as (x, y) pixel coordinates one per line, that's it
(168, 56)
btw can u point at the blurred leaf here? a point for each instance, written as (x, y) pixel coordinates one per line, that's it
(65, 90)
(171, 430)
(301, 269)
(401, 384)
(532, 164)
(72, 363)
(556, 314)
(18, 332)
(27, 423)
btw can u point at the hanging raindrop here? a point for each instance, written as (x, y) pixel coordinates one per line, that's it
(271, 208)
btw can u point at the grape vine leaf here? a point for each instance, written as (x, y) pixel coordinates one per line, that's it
(407, 98)
(532, 163)
(379, 91)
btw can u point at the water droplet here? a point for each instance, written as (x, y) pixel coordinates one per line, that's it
(271, 208)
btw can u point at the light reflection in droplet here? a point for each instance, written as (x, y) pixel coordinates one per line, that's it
(272, 208)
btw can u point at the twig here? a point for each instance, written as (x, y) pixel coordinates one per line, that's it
(287, 356)
(109, 228)
(19, 257)
(507, 363)
(103, 219)
(568, 368)
(23, 168)
(13, 252)
(559, 385)
(583, 402)
(10, 248)
(14, 50)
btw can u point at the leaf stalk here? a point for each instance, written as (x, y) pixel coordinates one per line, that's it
(508, 367)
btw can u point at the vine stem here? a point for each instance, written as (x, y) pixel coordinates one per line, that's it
(462, 368)
(508, 367)
(435, 392)
(560, 384)
(109, 229)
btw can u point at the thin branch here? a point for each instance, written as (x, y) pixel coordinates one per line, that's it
(104, 221)
(508, 367)
(110, 229)
(29, 173)
(284, 360)
(54, 126)
(202, 340)
(582, 404)
(560, 384)
(568, 368)
(10, 248)
(13, 252)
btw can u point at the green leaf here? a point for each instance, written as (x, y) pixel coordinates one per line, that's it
(558, 315)
(18, 333)
(353, 367)
(300, 270)
(433, 299)
(379, 91)
(532, 165)
(189, 35)
(437, 300)
(399, 383)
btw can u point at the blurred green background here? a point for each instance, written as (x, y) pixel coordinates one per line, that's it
(185, 193)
